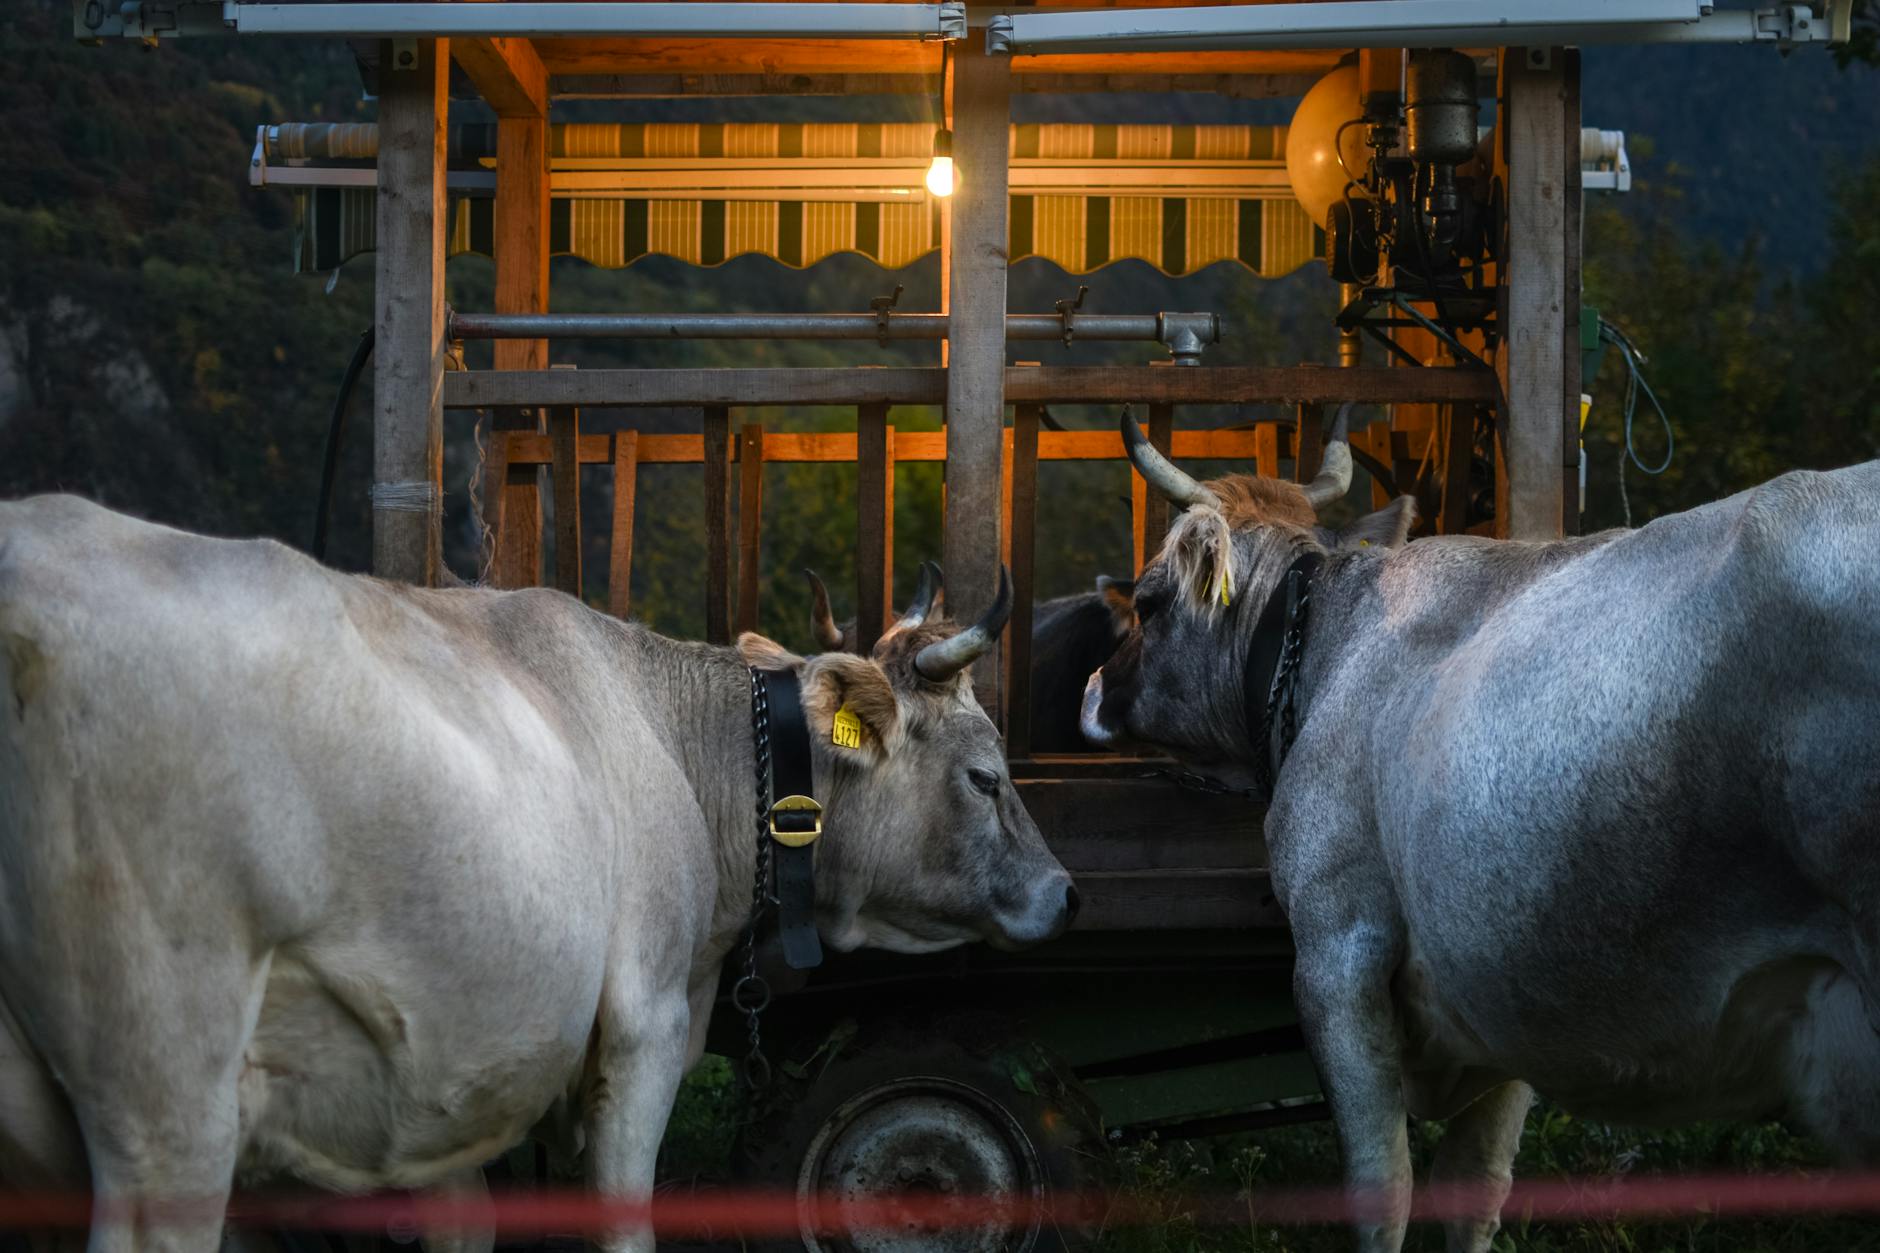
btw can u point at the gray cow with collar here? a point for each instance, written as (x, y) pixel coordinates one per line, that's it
(1600, 816)
(318, 877)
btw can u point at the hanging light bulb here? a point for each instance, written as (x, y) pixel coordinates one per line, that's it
(940, 180)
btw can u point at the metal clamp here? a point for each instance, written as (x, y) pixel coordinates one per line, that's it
(1187, 335)
(1067, 311)
(999, 35)
(803, 816)
(952, 19)
(884, 312)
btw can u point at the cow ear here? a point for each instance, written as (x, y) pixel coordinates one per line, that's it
(1119, 597)
(766, 654)
(1388, 528)
(851, 707)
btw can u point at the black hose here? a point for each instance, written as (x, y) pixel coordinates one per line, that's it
(336, 437)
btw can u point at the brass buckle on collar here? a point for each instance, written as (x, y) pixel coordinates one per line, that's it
(803, 818)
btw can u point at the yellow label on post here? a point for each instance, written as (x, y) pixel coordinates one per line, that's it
(848, 729)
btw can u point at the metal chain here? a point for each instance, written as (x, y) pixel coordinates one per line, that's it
(750, 995)
(1279, 700)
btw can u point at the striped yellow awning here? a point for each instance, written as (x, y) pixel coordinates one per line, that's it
(1083, 196)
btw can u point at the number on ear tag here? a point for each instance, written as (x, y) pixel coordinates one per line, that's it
(847, 732)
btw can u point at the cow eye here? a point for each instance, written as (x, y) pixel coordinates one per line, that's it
(983, 780)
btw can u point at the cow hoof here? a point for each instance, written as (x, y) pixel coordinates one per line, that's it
(898, 1144)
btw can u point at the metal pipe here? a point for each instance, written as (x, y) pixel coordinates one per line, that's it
(1341, 24)
(599, 18)
(1185, 335)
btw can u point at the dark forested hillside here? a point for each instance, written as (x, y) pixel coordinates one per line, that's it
(157, 353)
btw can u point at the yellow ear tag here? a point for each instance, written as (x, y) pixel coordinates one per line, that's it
(847, 732)
(1226, 586)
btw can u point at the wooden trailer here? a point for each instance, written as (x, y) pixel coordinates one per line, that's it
(1168, 1006)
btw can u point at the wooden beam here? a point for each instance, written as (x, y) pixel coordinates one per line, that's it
(715, 427)
(564, 438)
(1024, 537)
(1570, 383)
(924, 385)
(781, 59)
(977, 268)
(507, 73)
(520, 251)
(620, 552)
(656, 86)
(874, 516)
(407, 391)
(1308, 443)
(750, 522)
(1532, 356)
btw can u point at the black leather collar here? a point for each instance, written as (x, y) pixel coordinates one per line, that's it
(791, 820)
(1264, 685)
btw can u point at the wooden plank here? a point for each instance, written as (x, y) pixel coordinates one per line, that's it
(1531, 360)
(981, 93)
(669, 389)
(1458, 456)
(1177, 900)
(1266, 449)
(750, 522)
(874, 505)
(1037, 78)
(716, 446)
(408, 371)
(1005, 497)
(507, 73)
(1144, 825)
(620, 551)
(564, 434)
(924, 385)
(1024, 539)
(514, 488)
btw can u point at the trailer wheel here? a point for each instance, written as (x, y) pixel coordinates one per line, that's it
(926, 1115)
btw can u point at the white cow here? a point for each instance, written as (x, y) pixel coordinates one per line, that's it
(315, 876)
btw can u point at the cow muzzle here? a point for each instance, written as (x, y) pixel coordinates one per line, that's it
(1090, 721)
(1049, 909)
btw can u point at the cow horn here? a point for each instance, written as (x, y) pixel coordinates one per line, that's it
(1161, 473)
(822, 622)
(925, 592)
(945, 658)
(1334, 477)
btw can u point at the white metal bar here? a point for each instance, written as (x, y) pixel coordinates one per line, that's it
(1399, 24)
(598, 18)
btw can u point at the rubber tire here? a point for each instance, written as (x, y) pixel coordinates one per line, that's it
(1059, 1120)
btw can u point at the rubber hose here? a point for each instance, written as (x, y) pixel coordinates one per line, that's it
(336, 438)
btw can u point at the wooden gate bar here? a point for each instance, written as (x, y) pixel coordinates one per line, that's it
(715, 450)
(1308, 443)
(626, 494)
(874, 525)
(1024, 462)
(408, 419)
(793, 447)
(750, 521)
(564, 441)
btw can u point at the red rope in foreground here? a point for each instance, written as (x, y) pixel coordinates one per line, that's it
(715, 1215)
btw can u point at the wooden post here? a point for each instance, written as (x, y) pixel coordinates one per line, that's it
(1149, 510)
(1266, 449)
(408, 378)
(1571, 383)
(1309, 443)
(620, 554)
(521, 255)
(1024, 579)
(1532, 360)
(981, 96)
(750, 521)
(564, 446)
(716, 425)
(874, 525)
